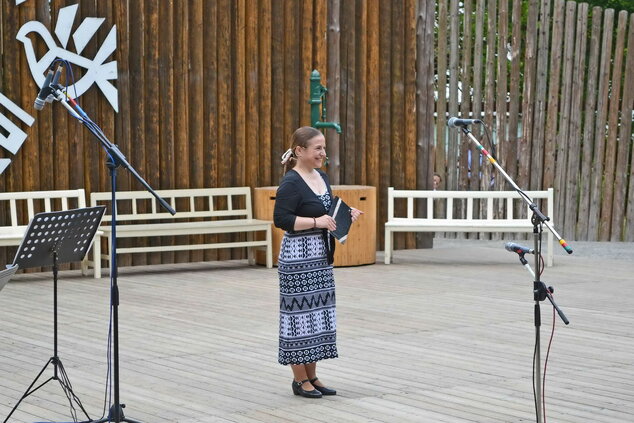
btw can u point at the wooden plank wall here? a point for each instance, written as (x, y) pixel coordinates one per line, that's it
(210, 91)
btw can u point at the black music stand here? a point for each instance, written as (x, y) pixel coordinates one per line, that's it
(53, 238)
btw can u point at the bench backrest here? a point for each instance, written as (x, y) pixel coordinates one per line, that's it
(38, 202)
(234, 203)
(502, 199)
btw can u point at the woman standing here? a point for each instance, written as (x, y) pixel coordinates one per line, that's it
(308, 326)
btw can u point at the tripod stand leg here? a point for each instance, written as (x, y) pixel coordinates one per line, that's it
(64, 381)
(29, 390)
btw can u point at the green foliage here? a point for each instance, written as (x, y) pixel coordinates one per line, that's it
(617, 5)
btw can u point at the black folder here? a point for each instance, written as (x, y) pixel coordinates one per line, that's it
(341, 212)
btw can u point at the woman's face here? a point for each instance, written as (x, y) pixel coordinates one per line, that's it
(315, 153)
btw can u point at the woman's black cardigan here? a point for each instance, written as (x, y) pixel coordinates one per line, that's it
(295, 198)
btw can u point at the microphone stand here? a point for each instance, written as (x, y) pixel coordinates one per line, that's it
(540, 291)
(115, 159)
(526, 265)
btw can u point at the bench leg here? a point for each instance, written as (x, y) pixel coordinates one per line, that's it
(84, 265)
(96, 256)
(269, 249)
(250, 250)
(388, 246)
(106, 256)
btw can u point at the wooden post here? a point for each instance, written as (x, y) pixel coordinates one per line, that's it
(334, 88)
(626, 133)
(424, 104)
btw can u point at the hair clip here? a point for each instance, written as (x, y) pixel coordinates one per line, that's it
(287, 155)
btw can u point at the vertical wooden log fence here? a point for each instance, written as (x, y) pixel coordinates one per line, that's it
(210, 91)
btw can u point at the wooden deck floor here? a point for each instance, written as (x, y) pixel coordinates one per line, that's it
(442, 335)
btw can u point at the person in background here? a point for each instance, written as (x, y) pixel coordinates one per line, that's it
(437, 181)
(308, 324)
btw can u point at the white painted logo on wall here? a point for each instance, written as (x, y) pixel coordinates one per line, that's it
(16, 136)
(95, 70)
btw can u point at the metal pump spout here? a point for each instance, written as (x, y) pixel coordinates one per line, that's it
(332, 125)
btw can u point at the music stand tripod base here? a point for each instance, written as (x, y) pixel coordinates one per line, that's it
(53, 238)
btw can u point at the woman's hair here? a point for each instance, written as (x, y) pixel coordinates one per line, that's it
(299, 138)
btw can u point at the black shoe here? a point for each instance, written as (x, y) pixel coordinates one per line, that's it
(323, 389)
(298, 390)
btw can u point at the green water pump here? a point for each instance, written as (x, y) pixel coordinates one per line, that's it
(317, 98)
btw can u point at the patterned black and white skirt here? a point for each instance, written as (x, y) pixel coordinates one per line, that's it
(308, 324)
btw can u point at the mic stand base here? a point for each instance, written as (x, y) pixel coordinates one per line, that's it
(116, 415)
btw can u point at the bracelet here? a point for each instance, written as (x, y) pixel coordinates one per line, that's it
(314, 223)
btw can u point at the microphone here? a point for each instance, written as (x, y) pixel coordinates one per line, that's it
(58, 73)
(54, 85)
(454, 122)
(516, 248)
(45, 90)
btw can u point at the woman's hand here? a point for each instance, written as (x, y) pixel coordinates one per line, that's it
(355, 213)
(326, 222)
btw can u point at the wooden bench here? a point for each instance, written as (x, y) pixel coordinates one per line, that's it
(499, 215)
(33, 202)
(218, 211)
